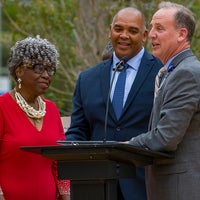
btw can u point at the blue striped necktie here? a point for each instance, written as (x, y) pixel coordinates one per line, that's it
(118, 95)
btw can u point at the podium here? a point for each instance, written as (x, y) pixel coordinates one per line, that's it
(95, 167)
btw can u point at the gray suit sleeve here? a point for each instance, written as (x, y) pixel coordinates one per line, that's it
(179, 101)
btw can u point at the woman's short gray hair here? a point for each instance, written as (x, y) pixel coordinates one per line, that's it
(32, 51)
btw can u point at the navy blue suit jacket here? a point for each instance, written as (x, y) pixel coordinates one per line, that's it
(88, 114)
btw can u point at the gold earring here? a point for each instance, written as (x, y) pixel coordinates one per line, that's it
(19, 80)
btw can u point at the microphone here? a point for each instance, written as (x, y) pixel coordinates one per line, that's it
(120, 66)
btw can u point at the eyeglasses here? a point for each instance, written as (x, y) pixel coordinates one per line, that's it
(39, 69)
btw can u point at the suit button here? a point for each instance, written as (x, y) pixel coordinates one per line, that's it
(118, 129)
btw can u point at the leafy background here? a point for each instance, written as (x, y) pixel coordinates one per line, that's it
(78, 28)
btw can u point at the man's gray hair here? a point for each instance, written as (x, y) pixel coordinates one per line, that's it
(183, 17)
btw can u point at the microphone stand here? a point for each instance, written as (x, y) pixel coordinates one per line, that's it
(119, 67)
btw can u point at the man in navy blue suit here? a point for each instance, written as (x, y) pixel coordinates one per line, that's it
(128, 34)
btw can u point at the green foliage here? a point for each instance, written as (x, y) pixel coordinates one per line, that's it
(79, 29)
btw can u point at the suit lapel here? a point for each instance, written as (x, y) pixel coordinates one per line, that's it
(105, 85)
(144, 70)
(181, 56)
(175, 62)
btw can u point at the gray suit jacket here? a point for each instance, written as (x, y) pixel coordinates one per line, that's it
(175, 127)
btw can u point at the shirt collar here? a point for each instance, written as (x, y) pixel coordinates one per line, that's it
(134, 62)
(167, 64)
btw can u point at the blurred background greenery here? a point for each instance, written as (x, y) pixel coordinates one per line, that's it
(78, 28)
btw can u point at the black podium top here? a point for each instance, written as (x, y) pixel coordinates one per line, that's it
(100, 150)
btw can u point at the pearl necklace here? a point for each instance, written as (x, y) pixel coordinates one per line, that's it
(29, 110)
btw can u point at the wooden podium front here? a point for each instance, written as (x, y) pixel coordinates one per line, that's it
(95, 167)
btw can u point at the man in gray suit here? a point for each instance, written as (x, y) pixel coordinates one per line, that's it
(175, 120)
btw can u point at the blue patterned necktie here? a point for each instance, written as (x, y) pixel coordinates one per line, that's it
(118, 95)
